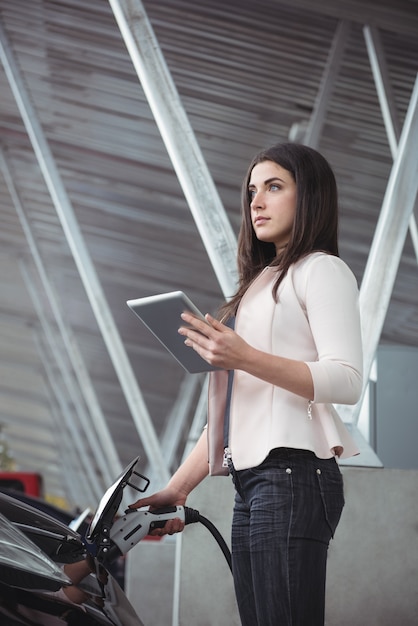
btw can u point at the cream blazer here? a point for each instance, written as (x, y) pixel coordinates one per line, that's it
(316, 320)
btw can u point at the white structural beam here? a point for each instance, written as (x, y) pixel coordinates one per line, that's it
(70, 479)
(80, 416)
(179, 139)
(176, 420)
(397, 18)
(89, 489)
(180, 142)
(387, 104)
(104, 448)
(332, 68)
(195, 432)
(73, 481)
(311, 138)
(383, 86)
(389, 239)
(83, 261)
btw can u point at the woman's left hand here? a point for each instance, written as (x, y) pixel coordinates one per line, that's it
(216, 343)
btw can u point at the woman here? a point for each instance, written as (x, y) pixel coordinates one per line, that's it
(288, 346)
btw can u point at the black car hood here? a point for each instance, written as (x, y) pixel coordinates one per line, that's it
(23, 564)
(53, 537)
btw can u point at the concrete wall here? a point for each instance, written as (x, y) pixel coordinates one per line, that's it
(373, 561)
(372, 567)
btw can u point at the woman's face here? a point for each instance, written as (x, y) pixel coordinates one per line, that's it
(272, 191)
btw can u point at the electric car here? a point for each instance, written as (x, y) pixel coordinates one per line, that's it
(41, 558)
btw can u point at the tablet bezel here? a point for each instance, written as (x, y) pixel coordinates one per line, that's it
(161, 315)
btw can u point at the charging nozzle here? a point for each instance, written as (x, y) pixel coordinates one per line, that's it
(135, 524)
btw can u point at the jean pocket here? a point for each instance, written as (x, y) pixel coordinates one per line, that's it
(332, 494)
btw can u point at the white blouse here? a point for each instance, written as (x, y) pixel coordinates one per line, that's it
(316, 320)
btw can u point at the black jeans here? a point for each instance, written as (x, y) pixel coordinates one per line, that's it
(283, 520)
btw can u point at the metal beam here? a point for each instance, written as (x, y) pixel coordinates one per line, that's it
(312, 136)
(387, 104)
(104, 449)
(83, 261)
(391, 16)
(79, 412)
(177, 418)
(383, 86)
(388, 227)
(195, 432)
(71, 471)
(179, 139)
(332, 68)
(389, 239)
(87, 480)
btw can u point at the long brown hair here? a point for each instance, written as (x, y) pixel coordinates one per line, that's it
(316, 218)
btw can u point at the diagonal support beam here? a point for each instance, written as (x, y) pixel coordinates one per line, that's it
(178, 414)
(106, 450)
(383, 86)
(83, 261)
(387, 104)
(332, 68)
(179, 139)
(389, 239)
(88, 483)
(68, 383)
(312, 139)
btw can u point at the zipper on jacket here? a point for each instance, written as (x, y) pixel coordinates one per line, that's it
(310, 403)
(227, 457)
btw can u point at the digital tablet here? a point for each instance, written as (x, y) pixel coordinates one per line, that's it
(161, 315)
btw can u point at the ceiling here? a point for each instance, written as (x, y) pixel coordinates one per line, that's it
(82, 395)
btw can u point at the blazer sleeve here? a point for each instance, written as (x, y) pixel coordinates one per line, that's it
(330, 296)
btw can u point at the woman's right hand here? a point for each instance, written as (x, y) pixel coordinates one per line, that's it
(191, 472)
(166, 497)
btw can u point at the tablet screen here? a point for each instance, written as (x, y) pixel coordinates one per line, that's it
(161, 315)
